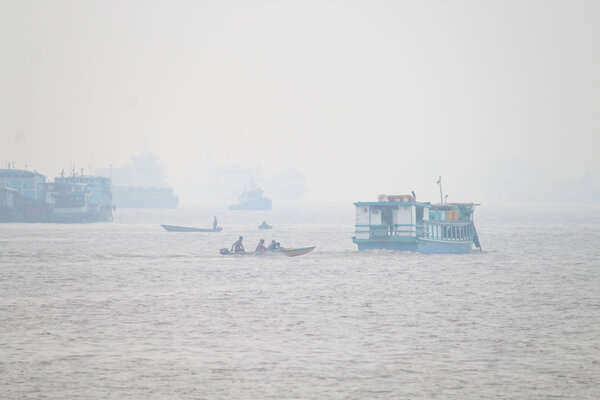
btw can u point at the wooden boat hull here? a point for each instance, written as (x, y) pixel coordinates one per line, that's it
(296, 252)
(174, 228)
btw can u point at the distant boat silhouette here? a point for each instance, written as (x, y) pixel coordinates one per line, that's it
(252, 199)
(264, 225)
(175, 228)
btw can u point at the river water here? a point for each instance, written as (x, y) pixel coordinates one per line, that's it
(126, 310)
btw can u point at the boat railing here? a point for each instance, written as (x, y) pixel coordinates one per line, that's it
(448, 230)
(379, 231)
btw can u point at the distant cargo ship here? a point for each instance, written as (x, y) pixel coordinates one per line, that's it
(144, 197)
(252, 199)
(140, 184)
(402, 223)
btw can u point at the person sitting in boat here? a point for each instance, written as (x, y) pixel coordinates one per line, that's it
(238, 246)
(261, 246)
(273, 246)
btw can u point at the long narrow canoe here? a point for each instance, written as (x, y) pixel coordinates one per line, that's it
(289, 252)
(174, 228)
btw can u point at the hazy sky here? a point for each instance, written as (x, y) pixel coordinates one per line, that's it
(364, 97)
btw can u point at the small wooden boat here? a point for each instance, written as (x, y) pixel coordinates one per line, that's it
(288, 252)
(174, 228)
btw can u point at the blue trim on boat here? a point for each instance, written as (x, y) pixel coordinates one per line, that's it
(416, 245)
(443, 247)
(387, 245)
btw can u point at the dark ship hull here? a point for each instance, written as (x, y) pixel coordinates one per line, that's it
(22, 209)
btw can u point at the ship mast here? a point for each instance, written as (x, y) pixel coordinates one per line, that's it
(439, 182)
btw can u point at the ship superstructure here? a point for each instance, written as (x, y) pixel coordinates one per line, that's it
(253, 199)
(80, 199)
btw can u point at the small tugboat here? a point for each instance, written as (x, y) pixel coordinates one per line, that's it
(252, 199)
(402, 223)
(264, 226)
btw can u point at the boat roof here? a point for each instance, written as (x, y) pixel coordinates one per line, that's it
(440, 205)
(19, 173)
(80, 178)
(392, 203)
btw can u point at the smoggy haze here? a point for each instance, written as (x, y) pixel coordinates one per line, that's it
(363, 97)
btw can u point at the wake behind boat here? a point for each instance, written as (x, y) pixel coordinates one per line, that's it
(289, 252)
(175, 228)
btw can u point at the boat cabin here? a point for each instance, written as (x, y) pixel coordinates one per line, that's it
(397, 216)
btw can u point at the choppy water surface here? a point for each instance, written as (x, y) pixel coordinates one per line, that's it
(126, 310)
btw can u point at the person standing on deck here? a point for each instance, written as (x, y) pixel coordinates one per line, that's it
(238, 247)
(214, 223)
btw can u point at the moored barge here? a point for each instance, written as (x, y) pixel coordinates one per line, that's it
(25, 196)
